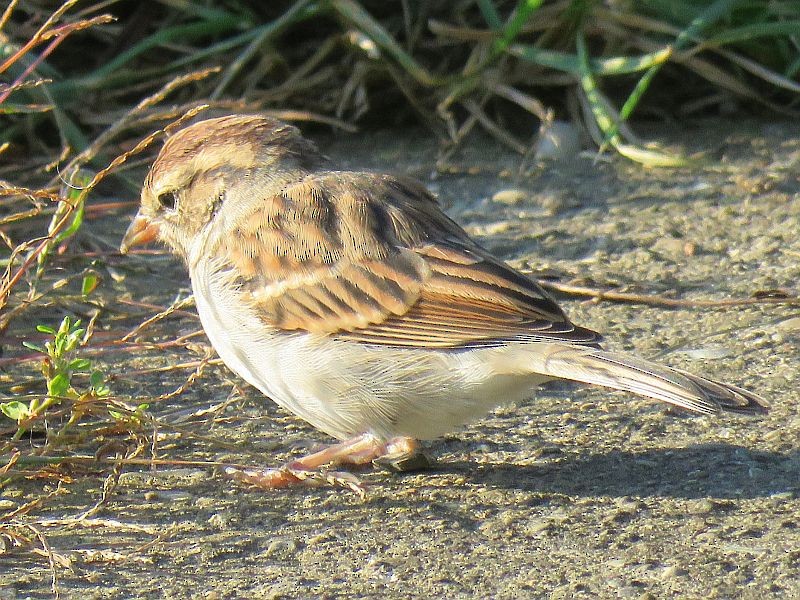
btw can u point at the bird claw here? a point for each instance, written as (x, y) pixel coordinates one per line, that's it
(288, 476)
(400, 454)
(333, 478)
(403, 463)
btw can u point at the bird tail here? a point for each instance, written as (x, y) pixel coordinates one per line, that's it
(674, 386)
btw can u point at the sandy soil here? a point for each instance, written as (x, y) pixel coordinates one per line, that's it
(580, 493)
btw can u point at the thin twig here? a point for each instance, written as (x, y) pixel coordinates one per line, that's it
(175, 306)
(662, 301)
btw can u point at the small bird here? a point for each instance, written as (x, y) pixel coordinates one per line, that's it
(353, 301)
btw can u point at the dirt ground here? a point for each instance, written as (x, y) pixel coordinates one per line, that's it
(580, 493)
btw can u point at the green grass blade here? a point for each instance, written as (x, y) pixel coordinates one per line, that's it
(570, 63)
(708, 17)
(751, 32)
(490, 14)
(180, 33)
(511, 30)
(608, 124)
(354, 14)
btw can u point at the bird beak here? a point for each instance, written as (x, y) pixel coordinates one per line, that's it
(141, 231)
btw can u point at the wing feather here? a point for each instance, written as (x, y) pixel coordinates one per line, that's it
(372, 259)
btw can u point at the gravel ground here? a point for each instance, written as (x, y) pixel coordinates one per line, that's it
(580, 493)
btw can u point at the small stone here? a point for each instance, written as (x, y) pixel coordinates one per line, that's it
(558, 140)
(537, 527)
(281, 549)
(670, 246)
(782, 496)
(710, 352)
(511, 196)
(669, 572)
(221, 520)
(556, 202)
(701, 507)
(792, 324)
(319, 539)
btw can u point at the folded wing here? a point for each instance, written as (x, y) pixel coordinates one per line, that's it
(372, 258)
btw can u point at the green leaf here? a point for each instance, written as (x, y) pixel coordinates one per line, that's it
(90, 282)
(198, 30)
(80, 364)
(35, 347)
(755, 30)
(96, 379)
(58, 385)
(45, 329)
(58, 345)
(72, 340)
(63, 329)
(98, 382)
(15, 410)
(606, 122)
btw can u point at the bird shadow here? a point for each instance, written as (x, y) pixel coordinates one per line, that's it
(706, 470)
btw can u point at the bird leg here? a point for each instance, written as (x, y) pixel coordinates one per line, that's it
(399, 454)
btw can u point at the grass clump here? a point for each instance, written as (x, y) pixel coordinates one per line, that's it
(452, 65)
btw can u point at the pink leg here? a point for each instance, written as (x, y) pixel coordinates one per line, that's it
(400, 453)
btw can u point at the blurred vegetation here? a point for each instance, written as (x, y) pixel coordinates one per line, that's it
(87, 85)
(451, 65)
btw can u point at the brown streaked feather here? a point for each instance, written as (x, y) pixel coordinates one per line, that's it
(371, 258)
(238, 142)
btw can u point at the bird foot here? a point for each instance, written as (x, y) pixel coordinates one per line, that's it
(288, 476)
(399, 454)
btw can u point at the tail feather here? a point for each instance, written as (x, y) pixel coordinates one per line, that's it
(674, 386)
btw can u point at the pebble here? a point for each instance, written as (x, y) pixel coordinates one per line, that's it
(222, 520)
(558, 140)
(708, 352)
(537, 527)
(669, 572)
(554, 202)
(511, 196)
(792, 324)
(281, 549)
(670, 246)
(700, 507)
(782, 496)
(169, 496)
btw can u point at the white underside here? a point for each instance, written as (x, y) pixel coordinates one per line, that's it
(347, 388)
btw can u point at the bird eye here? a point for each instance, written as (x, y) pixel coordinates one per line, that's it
(168, 200)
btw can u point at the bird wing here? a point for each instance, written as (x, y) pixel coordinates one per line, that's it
(373, 259)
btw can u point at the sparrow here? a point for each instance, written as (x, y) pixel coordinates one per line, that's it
(354, 302)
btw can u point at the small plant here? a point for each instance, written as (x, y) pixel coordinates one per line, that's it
(59, 366)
